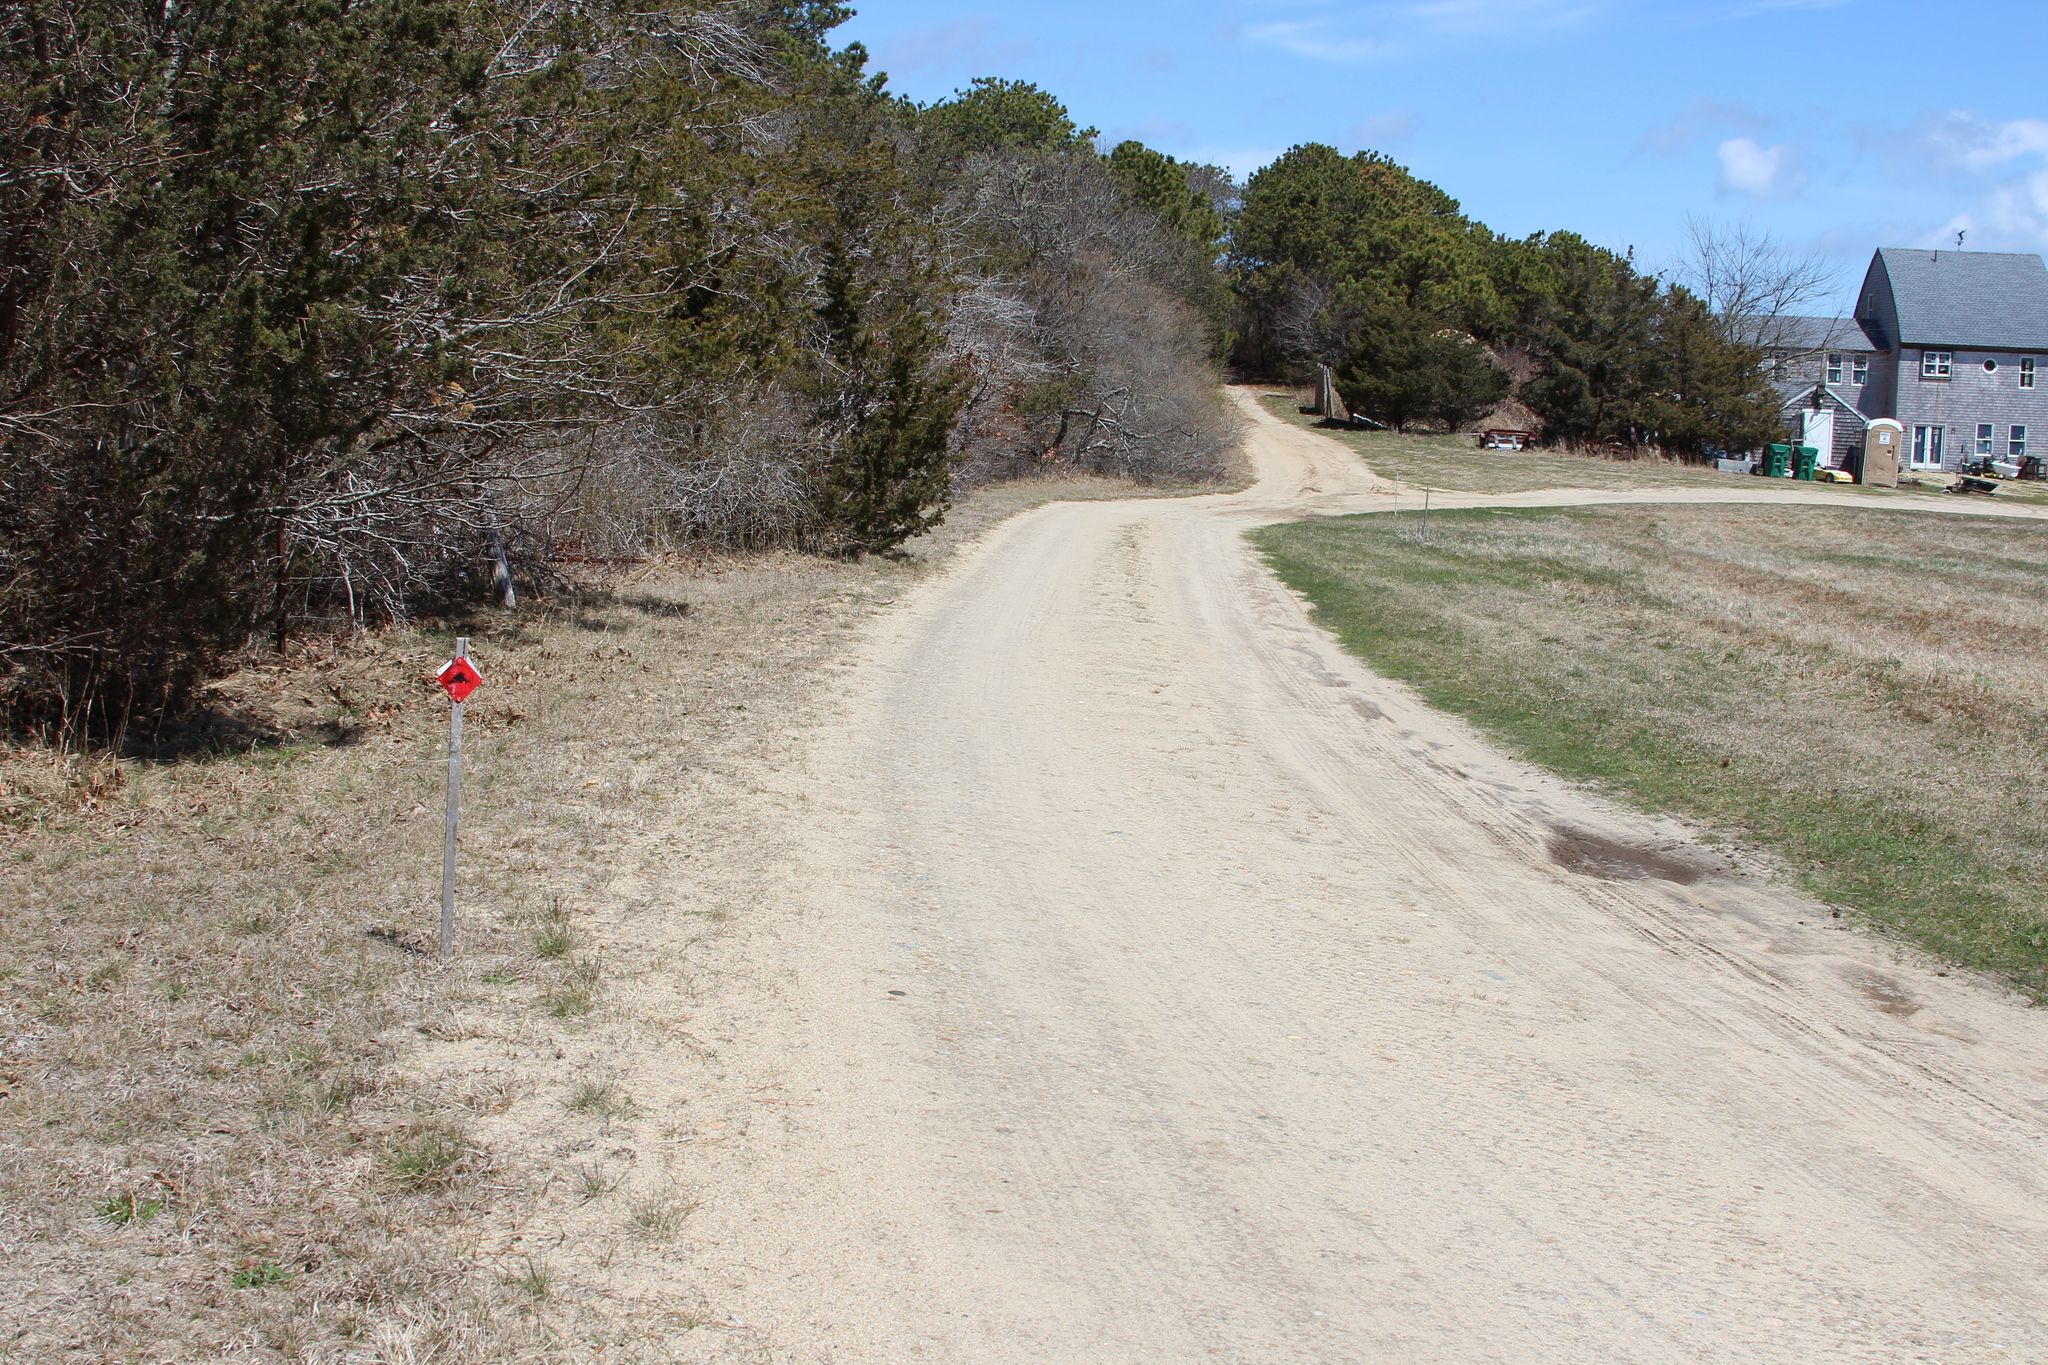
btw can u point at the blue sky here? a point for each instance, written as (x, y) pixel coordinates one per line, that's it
(1839, 125)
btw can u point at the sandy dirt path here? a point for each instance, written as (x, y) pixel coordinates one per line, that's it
(1152, 982)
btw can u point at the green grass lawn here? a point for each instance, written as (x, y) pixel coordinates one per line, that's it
(1862, 693)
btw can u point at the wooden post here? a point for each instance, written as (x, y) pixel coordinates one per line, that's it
(1425, 521)
(454, 817)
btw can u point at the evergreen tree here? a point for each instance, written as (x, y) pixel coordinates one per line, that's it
(1323, 239)
(993, 116)
(891, 413)
(1596, 335)
(1404, 367)
(1712, 393)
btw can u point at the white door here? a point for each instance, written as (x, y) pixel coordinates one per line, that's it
(1927, 447)
(1819, 433)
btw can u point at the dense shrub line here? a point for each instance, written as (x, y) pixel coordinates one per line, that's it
(1427, 317)
(313, 313)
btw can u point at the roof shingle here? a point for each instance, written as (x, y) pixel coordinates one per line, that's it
(1820, 334)
(1989, 299)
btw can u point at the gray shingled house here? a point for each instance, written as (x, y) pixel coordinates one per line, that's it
(1949, 343)
(1821, 369)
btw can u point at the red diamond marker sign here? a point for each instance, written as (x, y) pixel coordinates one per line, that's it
(458, 678)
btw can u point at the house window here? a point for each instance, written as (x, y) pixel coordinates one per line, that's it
(1984, 438)
(2016, 448)
(1859, 370)
(1937, 364)
(1927, 447)
(2027, 374)
(1834, 368)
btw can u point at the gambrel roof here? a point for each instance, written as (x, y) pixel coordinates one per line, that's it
(1988, 300)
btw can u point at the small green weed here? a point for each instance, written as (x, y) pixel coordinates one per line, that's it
(341, 1091)
(572, 996)
(261, 1275)
(125, 1208)
(601, 1099)
(428, 1159)
(593, 1183)
(662, 1215)
(533, 1280)
(554, 939)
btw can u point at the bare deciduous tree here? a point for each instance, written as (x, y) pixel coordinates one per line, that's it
(1755, 285)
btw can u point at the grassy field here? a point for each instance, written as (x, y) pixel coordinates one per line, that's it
(1455, 464)
(224, 1131)
(1862, 693)
(244, 1111)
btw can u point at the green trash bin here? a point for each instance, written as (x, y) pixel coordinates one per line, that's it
(1803, 467)
(1777, 462)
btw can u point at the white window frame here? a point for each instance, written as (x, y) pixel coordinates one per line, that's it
(1987, 437)
(2027, 373)
(1834, 367)
(1928, 441)
(2016, 442)
(1937, 364)
(1859, 369)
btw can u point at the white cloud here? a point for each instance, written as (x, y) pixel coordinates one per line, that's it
(2019, 210)
(1748, 167)
(1322, 40)
(1993, 173)
(1372, 32)
(1500, 16)
(1962, 141)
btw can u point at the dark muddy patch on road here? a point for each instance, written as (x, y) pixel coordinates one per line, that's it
(1596, 855)
(1885, 993)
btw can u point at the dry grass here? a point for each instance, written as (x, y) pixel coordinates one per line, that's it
(1456, 464)
(1859, 691)
(245, 1113)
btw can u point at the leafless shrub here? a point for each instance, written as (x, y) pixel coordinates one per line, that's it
(1087, 356)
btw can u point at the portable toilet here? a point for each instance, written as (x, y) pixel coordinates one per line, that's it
(1882, 444)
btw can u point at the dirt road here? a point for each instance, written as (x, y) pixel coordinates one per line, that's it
(1154, 983)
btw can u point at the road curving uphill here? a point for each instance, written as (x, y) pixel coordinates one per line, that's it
(1155, 983)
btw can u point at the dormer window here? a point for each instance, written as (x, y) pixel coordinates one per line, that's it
(2027, 373)
(1834, 367)
(1937, 364)
(1859, 370)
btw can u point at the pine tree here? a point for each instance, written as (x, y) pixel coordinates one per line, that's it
(1405, 367)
